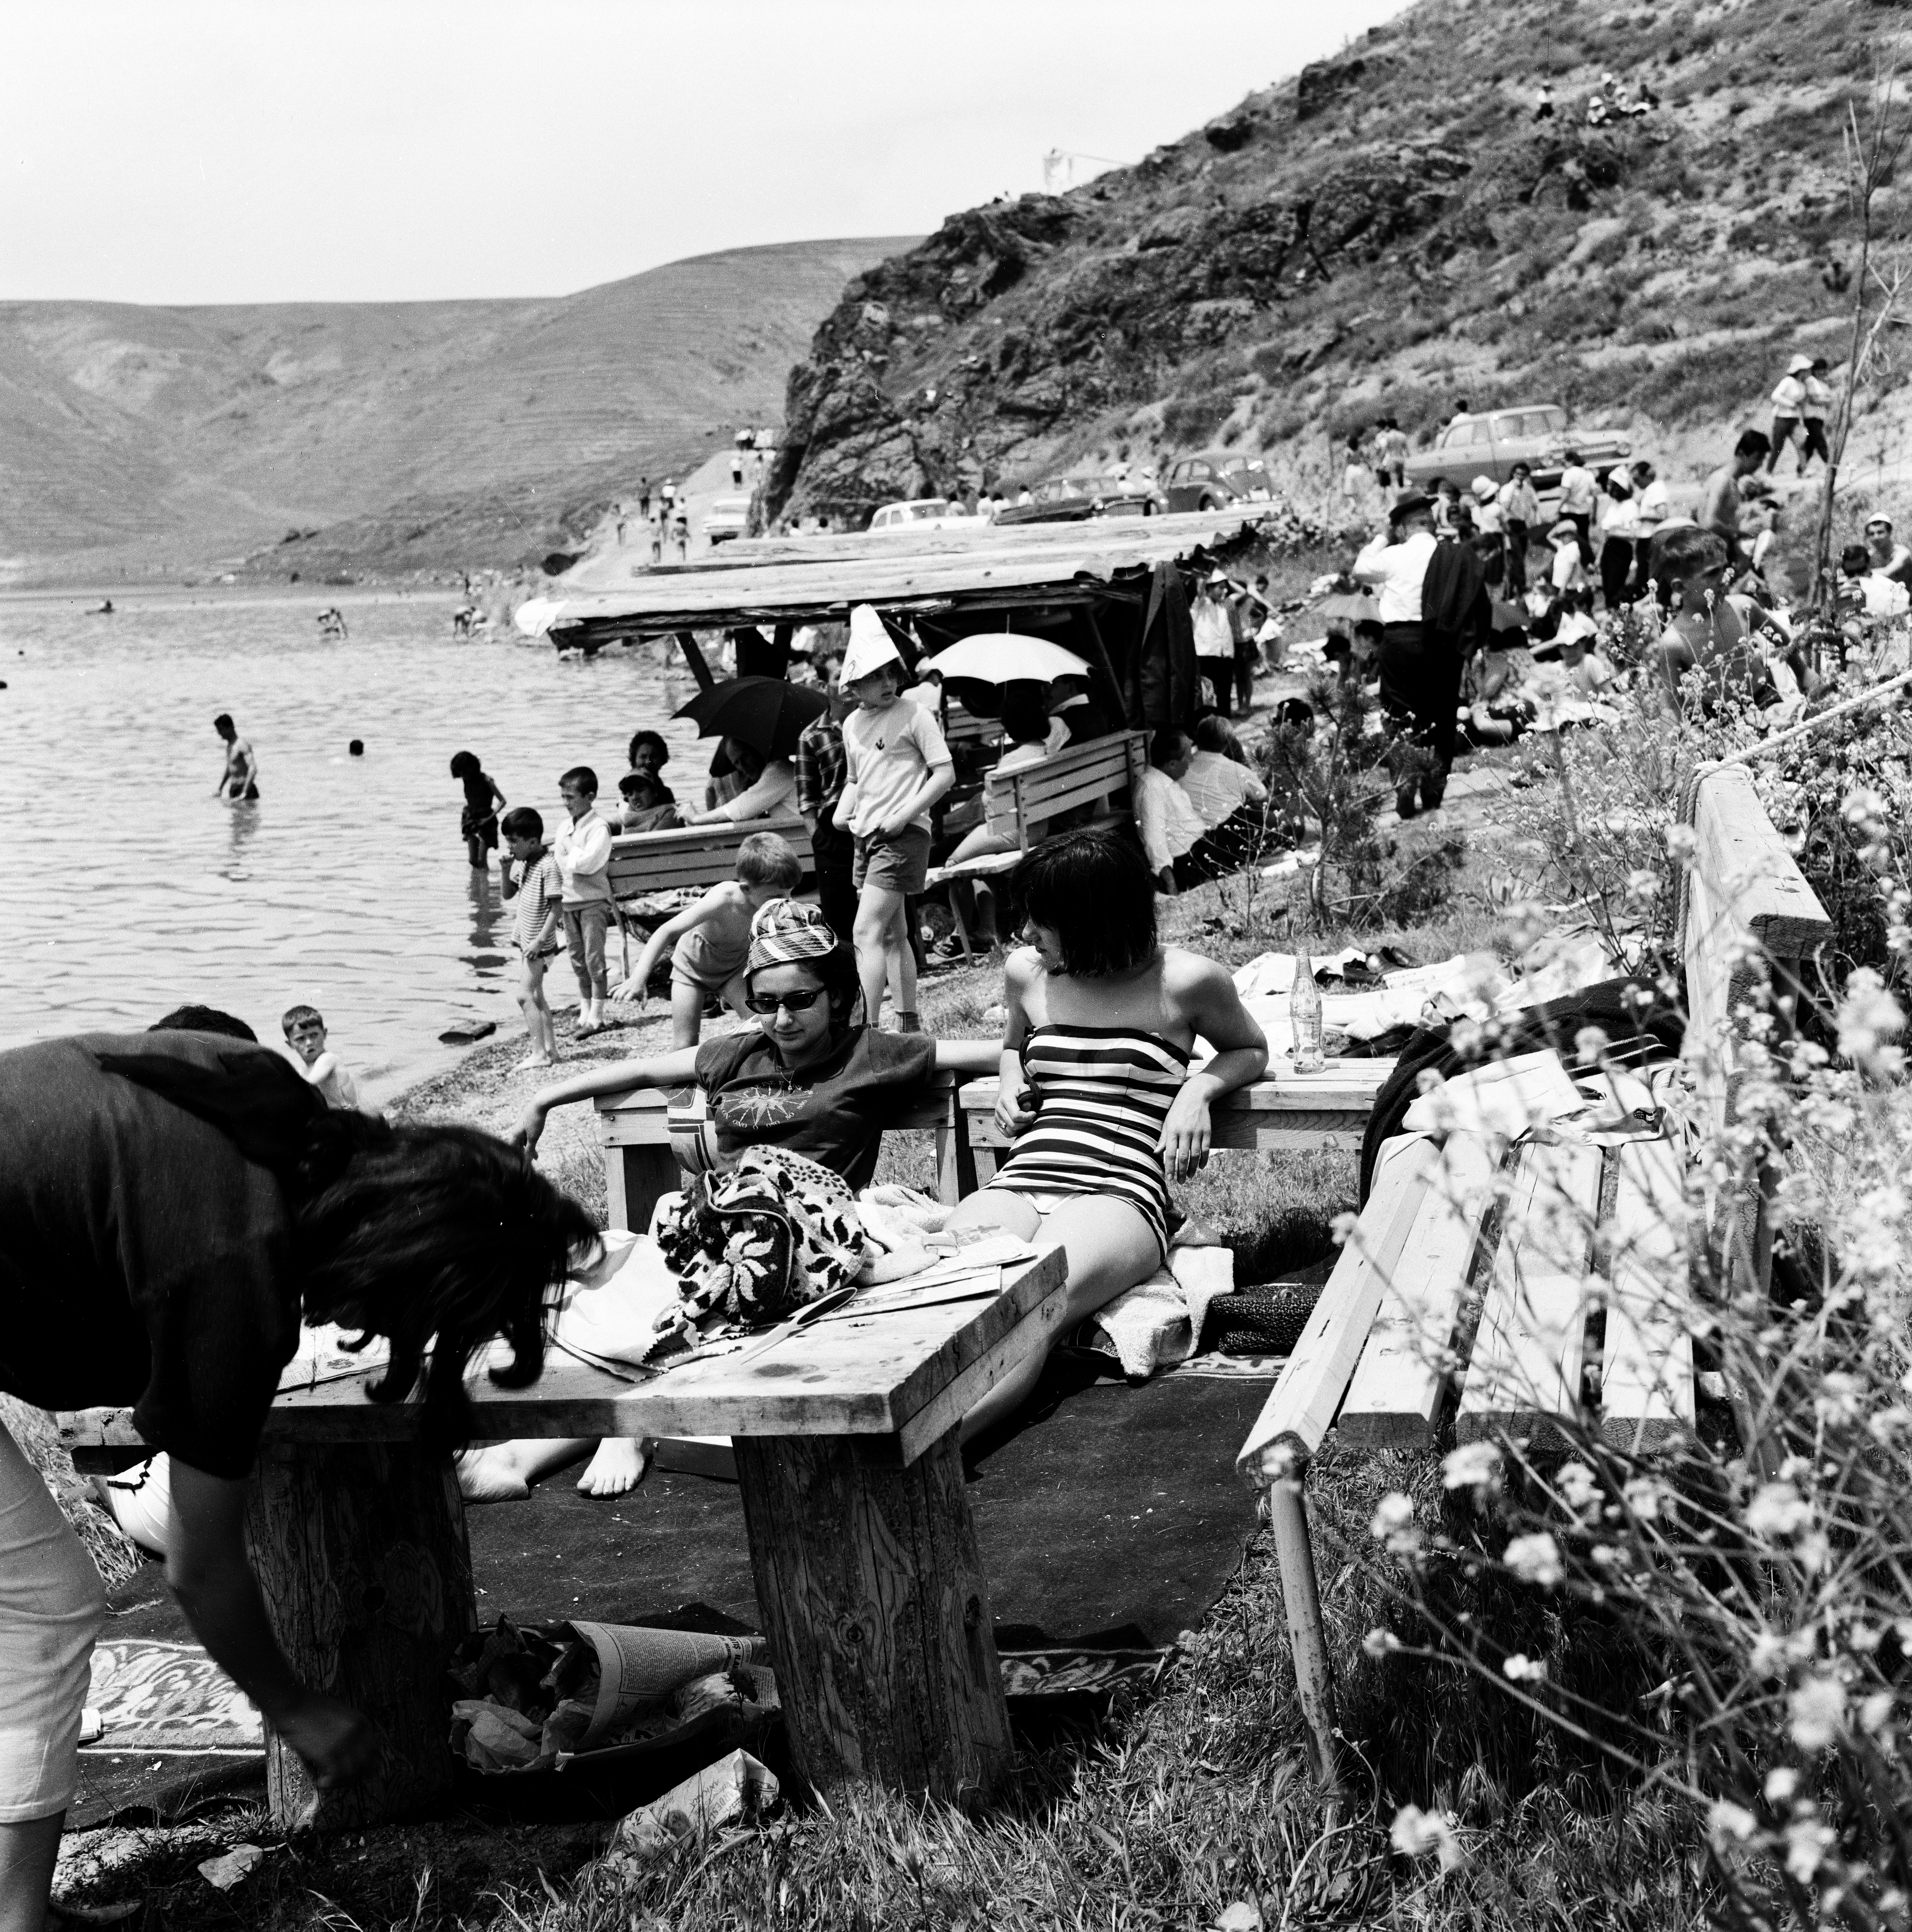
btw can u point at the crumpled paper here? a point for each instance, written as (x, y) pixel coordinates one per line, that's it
(231, 1867)
(734, 1790)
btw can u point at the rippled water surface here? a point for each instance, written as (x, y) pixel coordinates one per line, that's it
(134, 889)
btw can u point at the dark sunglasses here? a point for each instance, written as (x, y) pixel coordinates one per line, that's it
(795, 1003)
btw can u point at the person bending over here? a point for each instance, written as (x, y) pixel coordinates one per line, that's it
(1096, 1090)
(810, 1076)
(171, 1205)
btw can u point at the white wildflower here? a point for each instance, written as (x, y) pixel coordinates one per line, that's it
(1394, 1524)
(1818, 1709)
(1474, 1465)
(1535, 1559)
(1875, 1713)
(1837, 1399)
(1683, 843)
(1520, 1669)
(1576, 1485)
(1767, 1657)
(1415, 1833)
(1726, 1820)
(1869, 1018)
(1379, 1642)
(1644, 1495)
(1778, 1511)
(1643, 887)
(1781, 1784)
(1807, 1843)
(1342, 1228)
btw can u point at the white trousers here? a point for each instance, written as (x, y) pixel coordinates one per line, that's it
(51, 1606)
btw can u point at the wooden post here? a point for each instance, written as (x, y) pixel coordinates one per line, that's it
(687, 642)
(361, 1556)
(874, 1599)
(636, 1178)
(1301, 1597)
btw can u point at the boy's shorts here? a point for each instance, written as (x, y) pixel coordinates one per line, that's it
(584, 935)
(897, 865)
(543, 954)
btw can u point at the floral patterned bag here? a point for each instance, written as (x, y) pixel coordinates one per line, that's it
(758, 1243)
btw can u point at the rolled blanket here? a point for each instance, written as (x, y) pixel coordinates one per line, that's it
(1158, 1323)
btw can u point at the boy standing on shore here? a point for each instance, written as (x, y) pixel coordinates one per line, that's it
(532, 888)
(582, 852)
(899, 767)
(305, 1042)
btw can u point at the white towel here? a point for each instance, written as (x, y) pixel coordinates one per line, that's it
(1158, 1323)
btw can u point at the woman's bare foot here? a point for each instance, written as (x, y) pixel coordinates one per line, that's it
(532, 1059)
(620, 1464)
(490, 1476)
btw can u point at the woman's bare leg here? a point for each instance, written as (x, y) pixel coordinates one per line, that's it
(503, 1472)
(1107, 1246)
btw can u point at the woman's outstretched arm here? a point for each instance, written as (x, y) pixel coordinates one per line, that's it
(1202, 992)
(971, 1058)
(624, 1076)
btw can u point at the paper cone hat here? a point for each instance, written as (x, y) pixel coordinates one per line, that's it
(870, 646)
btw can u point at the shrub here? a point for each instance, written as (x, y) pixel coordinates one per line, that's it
(1188, 420)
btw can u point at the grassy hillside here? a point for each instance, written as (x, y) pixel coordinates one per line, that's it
(1389, 232)
(144, 438)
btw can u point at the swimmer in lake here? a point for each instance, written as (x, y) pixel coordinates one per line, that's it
(241, 779)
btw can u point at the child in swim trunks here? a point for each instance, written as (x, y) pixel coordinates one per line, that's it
(711, 940)
(535, 893)
(306, 1047)
(483, 801)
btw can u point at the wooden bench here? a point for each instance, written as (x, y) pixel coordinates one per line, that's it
(640, 1164)
(1290, 1110)
(1571, 1253)
(1077, 776)
(691, 859)
(873, 1597)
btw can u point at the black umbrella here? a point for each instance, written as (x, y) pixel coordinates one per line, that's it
(765, 713)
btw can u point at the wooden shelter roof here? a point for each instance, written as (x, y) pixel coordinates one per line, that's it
(816, 580)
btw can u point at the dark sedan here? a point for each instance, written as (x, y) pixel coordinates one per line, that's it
(1216, 479)
(1067, 500)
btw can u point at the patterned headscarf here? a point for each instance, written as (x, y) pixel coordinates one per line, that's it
(786, 930)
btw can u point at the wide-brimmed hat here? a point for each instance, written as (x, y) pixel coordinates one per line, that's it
(1413, 503)
(1563, 529)
(1799, 365)
(1485, 488)
(870, 646)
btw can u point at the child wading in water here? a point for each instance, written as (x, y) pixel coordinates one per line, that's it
(531, 883)
(305, 1043)
(899, 767)
(478, 821)
(711, 940)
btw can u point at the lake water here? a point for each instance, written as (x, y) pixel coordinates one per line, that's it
(345, 886)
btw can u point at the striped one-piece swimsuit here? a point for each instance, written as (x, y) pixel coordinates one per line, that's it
(1101, 1094)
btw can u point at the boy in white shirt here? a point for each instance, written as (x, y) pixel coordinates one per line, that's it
(898, 767)
(583, 851)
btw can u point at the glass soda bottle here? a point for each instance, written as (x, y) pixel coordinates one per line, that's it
(1304, 1014)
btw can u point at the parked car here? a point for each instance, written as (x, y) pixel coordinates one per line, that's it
(925, 513)
(1491, 443)
(729, 517)
(1216, 478)
(1063, 499)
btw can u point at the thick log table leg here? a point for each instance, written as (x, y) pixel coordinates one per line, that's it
(361, 1556)
(874, 1602)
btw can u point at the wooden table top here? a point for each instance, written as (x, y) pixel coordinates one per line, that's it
(1342, 1086)
(879, 1365)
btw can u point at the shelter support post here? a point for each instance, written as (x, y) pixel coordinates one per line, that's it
(687, 642)
(360, 1552)
(873, 1598)
(1301, 1597)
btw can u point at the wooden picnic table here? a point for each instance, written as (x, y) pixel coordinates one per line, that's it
(1291, 1110)
(872, 1593)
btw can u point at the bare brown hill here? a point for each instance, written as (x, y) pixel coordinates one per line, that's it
(142, 439)
(1391, 231)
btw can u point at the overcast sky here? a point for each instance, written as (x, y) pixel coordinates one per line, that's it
(178, 151)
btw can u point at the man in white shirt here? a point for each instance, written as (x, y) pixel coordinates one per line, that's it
(1579, 489)
(1520, 510)
(1414, 693)
(1173, 833)
(582, 852)
(1213, 617)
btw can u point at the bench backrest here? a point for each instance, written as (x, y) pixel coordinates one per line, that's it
(1068, 780)
(695, 857)
(962, 727)
(1741, 897)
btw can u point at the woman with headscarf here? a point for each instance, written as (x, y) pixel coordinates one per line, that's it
(809, 1077)
(172, 1205)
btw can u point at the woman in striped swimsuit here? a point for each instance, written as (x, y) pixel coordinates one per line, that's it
(1094, 1086)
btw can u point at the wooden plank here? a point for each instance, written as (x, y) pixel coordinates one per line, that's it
(875, 1603)
(1742, 860)
(1406, 1372)
(361, 1558)
(1531, 1344)
(822, 1380)
(1070, 778)
(641, 1117)
(643, 862)
(1303, 1402)
(1646, 1367)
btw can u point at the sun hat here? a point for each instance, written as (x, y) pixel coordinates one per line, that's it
(1563, 529)
(786, 930)
(1799, 365)
(1485, 488)
(870, 646)
(1411, 504)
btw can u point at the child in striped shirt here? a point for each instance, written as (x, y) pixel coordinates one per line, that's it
(536, 894)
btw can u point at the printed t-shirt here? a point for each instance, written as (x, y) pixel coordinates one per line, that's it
(143, 1258)
(890, 752)
(834, 1112)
